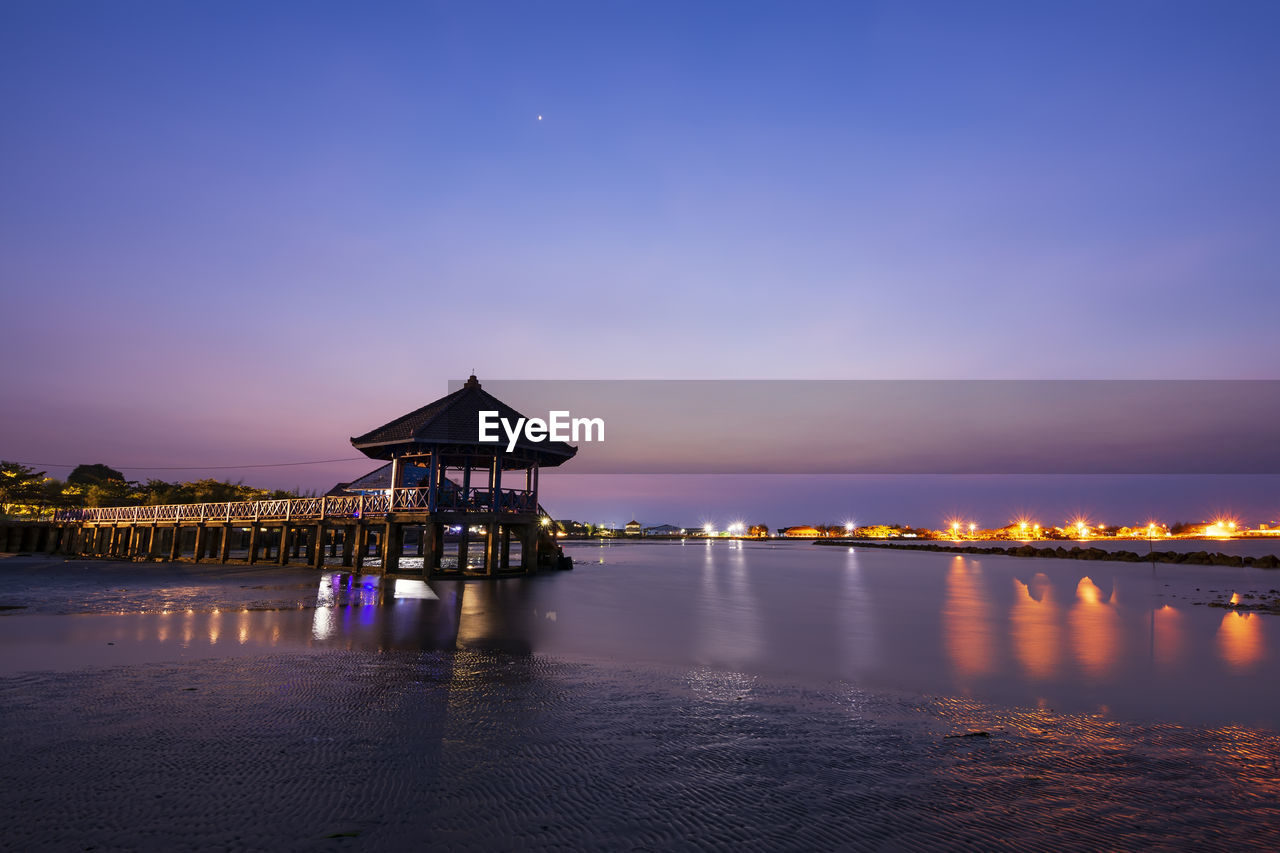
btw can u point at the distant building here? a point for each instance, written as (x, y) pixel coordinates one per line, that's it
(803, 532)
(634, 528)
(664, 530)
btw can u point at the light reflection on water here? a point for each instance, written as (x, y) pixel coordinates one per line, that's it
(1034, 627)
(967, 621)
(1095, 630)
(1019, 631)
(1166, 636)
(1241, 641)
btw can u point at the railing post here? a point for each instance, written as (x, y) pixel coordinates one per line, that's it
(324, 505)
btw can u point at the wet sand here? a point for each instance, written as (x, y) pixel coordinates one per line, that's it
(302, 715)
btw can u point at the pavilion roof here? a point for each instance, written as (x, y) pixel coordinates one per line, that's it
(453, 421)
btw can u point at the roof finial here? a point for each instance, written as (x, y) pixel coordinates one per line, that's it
(471, 382)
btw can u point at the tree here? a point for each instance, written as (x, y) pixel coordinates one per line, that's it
(90, 475)
(20, 487)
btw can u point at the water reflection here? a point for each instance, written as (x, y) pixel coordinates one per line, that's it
(967, 626)
(1095, 630)
(1240, 640)
(728, 622)
(1034, 627)
(859, 625)
(1166, 637)
(1016, 630)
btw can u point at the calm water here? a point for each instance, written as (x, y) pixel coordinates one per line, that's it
(1115, 638)
(709, 696)
(1250, 547)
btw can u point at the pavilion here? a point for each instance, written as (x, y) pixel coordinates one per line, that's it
(442, 478)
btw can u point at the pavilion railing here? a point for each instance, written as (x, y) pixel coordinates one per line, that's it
(310, 509)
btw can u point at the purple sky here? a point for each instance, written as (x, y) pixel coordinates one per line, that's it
(239, 234)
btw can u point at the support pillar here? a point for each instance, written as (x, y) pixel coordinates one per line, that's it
(153, 543)
(253, 544)
(491, 548)
(348, 543)
(317, 546)
(224, 549)
(529, 548)
(175, 544)
(197, 553)
(392, 546)
(282, 557)
(360, 544)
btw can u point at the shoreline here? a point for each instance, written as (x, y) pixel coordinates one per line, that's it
(1197, 558)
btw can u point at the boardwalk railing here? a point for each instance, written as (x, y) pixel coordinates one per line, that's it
(309, 509)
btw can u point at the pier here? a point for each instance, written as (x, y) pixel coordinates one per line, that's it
(469, 507)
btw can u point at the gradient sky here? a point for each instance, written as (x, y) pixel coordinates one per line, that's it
(238, 232)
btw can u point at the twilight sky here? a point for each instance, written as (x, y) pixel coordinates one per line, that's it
(239, 233)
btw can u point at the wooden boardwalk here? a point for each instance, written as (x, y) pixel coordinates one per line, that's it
(357, 528)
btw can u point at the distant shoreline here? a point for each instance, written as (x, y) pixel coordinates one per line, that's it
(1200, 558)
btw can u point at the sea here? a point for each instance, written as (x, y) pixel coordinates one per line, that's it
(674, 695)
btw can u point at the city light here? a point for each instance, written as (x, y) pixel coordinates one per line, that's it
(1221, 528)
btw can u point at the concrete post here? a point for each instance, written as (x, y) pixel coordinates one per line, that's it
(360, 544)
(528, 548)
(392, 545)
(224, 549)
(348, 543)
(317, 546)
(253, 544)
(283, 557)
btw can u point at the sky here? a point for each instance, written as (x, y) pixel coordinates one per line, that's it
(240, 233)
